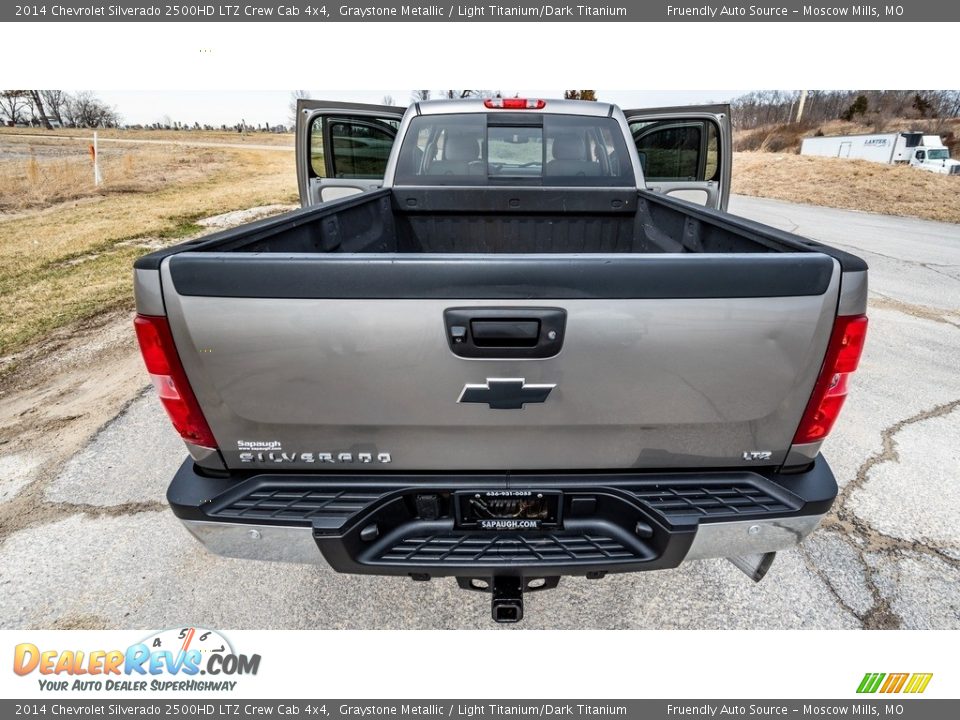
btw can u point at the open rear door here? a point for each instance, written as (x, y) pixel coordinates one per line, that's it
(342, 148)
(685, 151)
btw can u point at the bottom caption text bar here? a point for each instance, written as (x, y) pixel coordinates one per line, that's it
(895, 708)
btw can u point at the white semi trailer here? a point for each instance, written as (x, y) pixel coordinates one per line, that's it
(926, 152)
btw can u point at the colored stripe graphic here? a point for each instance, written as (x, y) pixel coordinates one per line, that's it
(894, 683)
(918, 682)
(870, 682)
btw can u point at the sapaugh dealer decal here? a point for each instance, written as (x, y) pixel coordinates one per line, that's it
(271, 451)
(179, 659)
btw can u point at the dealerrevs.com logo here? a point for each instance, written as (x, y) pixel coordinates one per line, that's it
(179, 659)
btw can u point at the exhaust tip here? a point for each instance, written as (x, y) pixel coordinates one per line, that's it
(754, 566)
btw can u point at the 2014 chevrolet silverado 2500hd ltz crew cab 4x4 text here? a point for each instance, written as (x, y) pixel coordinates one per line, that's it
(503, 341)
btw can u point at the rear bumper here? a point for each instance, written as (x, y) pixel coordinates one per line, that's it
(611, 522)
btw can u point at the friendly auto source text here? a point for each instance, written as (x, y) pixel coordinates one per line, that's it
(712, 11)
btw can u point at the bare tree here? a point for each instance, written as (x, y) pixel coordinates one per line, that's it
(950, 102)
(37, 102)
(295, 97)
(55, 102)
(420, 95)
(874, 107)
(13, 105)
(768, 107)
(460, 94)
(387, 100)
(84, 109)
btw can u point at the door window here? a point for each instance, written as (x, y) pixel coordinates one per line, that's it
(351, 147)
(678, 150)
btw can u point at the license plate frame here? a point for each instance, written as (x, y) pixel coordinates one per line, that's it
(508, 510)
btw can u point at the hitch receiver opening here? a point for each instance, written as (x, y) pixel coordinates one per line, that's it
(506, 605)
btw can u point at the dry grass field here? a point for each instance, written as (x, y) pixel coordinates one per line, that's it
(66, 247)
(38, 173)
(848, 184)
(223, 136)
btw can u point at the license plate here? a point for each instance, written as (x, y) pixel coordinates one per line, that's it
(508, 509)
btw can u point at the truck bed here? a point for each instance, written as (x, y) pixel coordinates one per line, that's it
(505, 221)
(692, 337)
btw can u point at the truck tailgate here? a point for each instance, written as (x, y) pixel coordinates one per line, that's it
(346, 362)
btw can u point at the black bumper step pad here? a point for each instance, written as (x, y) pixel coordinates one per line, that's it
(288, 504)
(456, 548)
(679, 500)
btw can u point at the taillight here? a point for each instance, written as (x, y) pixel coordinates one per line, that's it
(170, 380)
(514, 104)
(842, 358)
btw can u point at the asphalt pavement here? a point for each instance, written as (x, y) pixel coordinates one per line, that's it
(109, 555)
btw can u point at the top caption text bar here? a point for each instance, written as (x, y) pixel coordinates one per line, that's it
(515, 11)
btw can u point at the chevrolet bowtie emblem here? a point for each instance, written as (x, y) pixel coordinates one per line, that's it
(505, 393)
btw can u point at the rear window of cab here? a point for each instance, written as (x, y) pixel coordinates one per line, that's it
(514, 149)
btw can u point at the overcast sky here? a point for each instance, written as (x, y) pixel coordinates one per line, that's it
(139, 107)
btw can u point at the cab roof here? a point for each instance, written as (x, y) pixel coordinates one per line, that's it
(475, 105)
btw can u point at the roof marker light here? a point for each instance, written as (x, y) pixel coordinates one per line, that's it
(514, 104)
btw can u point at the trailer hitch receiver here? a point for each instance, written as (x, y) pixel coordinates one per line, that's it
(506, 593)
(506, 604)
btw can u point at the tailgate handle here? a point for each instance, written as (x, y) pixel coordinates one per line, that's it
(505, 332)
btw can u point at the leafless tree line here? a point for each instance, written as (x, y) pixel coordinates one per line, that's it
(774, 107)
(420, 95)
(46, 108)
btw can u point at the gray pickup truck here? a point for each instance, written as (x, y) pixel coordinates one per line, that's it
(503, 341)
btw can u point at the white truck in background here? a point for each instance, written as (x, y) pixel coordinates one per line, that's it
(933, 156)
(926, 152)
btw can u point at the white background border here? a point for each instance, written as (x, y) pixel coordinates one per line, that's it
(647, 56)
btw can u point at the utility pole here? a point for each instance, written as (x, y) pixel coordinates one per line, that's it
(803, 101)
